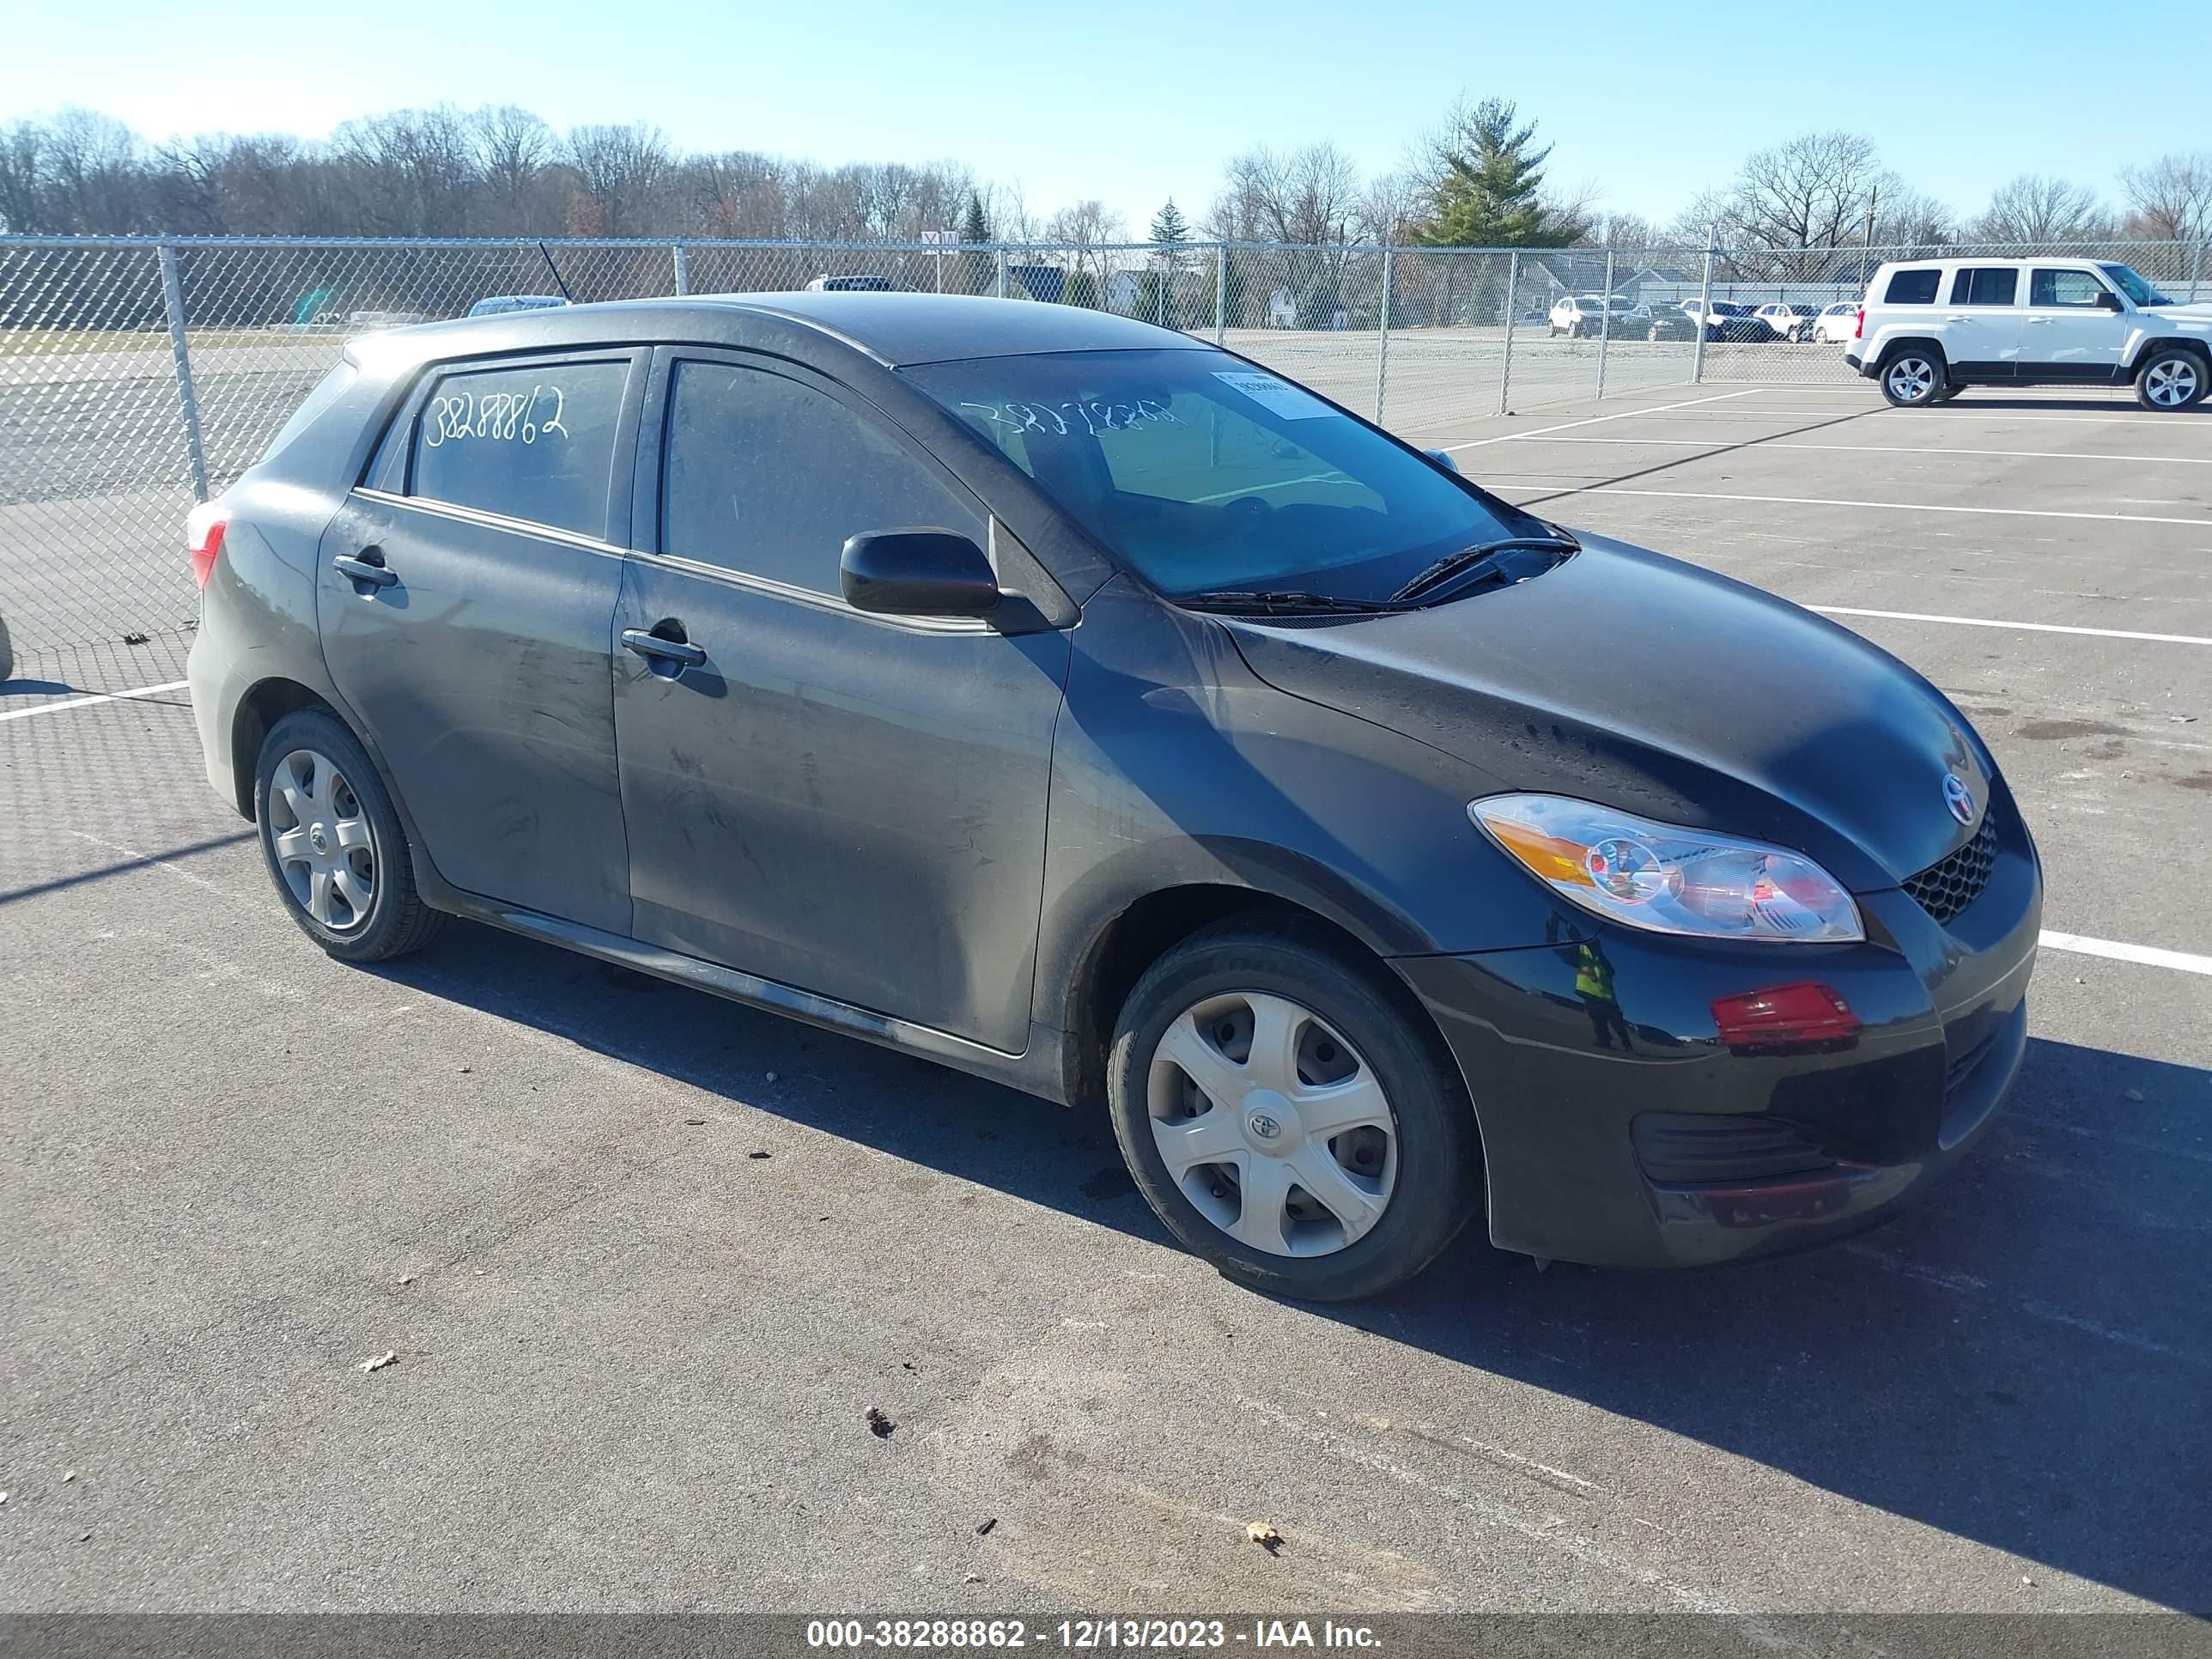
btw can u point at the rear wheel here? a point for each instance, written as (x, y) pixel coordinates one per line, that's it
(2171, 377)
(1912, 378)
(334, 843)
(1947, 393)
(1286, 1115)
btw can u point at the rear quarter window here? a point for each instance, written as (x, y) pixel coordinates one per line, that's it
(1913, 288)
(332, 387)
(533, 442)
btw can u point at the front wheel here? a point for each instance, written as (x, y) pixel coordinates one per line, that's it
(334, 843)
(1913, 379)
(1284, 1110)
(2171, 377)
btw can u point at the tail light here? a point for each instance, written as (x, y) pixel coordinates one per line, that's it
(203, 528)
(1858, 324)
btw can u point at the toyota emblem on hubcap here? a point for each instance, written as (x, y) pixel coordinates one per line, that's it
(1957, 798)
(1264, 1127)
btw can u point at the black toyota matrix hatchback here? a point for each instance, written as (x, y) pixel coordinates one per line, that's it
(1077, 704)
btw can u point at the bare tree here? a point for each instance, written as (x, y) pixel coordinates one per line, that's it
(2172, 199)
(1812, 192)
(515, 155)
(2037, 208)
(1631, 232)
(621, 175)
(1084, 228)
(1309, 195)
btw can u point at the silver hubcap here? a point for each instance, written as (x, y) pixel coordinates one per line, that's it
(2171, 382)
(1273, 1125)
(325, 845)
(1911, 378)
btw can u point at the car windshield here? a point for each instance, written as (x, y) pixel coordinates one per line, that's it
(2133, 286)
(1203, 472)
(1726, 309)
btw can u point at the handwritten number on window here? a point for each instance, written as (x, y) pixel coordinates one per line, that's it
(496, 417)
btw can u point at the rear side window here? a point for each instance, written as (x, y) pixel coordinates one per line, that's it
(1913, 288)
(769, 476)
(534, 441)
(1989, 286)
(2063, 287)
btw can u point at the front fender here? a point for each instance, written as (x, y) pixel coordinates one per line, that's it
(1173, 765)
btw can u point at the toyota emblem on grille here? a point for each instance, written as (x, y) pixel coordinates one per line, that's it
(1957, 798)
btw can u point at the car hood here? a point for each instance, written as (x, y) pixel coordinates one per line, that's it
(2197, 313)
(1640, 682)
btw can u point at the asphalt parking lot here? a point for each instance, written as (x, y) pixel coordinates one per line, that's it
(647, 1260)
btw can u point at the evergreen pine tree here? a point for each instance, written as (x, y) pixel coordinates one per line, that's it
(1157, 298)
(1489, 190)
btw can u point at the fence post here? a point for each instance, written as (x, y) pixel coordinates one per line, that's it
(1605, 325)
(1505, 364)
(1220, 289)
(173, 302)
(683, 270)
(1383, 342)
(2196, 273)
(1705, 308)
(1002, 276)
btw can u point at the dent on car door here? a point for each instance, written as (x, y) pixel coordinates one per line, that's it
(851, 804)
(466, 596)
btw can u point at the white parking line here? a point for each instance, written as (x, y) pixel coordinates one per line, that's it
(1599, 420)
(2024, 627)
(1960, 412)
(2200, 522)
(2118, 950)
(86, 702)
(1890, 449)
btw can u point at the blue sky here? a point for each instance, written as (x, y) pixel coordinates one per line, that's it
(1135, 100)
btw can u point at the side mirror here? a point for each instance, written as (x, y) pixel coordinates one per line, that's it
(2107, 300)
(1443, 457)
(918, 573)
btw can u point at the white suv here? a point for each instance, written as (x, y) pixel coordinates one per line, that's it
(1930, 328)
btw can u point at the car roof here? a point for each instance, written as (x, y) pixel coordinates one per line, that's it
(894, 329)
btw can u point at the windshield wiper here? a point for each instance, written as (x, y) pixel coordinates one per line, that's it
(1284, 599)
(1469, 559)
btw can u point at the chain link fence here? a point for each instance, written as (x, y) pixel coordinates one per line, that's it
(139, 376)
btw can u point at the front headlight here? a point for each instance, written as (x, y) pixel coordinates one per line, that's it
(1669, 879)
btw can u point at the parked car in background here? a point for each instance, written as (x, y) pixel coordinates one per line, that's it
(1585, 316)
(863, 282)
(1724, 319)
(1071, 702)
(497, 304)
(1837, 325)
(1667, 321)
(1934, 327)
(1793, 320)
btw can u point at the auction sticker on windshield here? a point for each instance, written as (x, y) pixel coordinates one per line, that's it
(1277, 397)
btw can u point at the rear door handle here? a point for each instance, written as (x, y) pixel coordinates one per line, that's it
(680, 651)
(367, 567)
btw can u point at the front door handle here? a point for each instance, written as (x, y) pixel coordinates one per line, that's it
(367, 567)
(682, 653)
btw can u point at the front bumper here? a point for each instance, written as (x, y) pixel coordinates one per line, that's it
(1820, 1131)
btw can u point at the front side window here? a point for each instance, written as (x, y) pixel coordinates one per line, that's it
(1994, 285)
(534, 441)
(1913, 288)
(1203, 472)
(764, 475)
(2076, 288)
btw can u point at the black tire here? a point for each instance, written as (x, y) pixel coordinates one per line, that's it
(1655, 334)
(1437, 1163)
(1950, 391)
(2170, 378)
(1914, 377)
(395, 921)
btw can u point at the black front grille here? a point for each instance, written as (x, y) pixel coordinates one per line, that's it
(1702, 1146)
(1950, 886)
